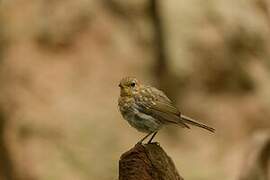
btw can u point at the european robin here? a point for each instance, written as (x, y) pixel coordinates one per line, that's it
(147, 109)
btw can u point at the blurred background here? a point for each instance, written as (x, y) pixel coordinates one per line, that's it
(61, 61)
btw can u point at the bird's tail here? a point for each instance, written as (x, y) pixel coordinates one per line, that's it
(191, 121)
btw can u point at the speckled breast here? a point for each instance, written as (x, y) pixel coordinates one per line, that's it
(142, 122)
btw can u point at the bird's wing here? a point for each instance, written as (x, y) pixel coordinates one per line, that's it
(159, 94)
(158, 105)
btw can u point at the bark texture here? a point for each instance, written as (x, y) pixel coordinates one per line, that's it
(147, 162)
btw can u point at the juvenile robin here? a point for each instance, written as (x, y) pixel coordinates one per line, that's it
(148, 109)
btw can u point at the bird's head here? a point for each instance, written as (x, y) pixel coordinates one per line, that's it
(129, 86)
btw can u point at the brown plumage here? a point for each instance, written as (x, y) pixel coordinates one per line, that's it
(147, 109)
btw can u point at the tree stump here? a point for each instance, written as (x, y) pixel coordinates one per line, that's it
(147, 162)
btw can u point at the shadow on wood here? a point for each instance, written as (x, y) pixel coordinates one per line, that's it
(147, 162)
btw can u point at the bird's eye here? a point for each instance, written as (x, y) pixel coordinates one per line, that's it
(132, 84)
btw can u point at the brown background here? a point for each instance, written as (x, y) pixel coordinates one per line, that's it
(61, 62)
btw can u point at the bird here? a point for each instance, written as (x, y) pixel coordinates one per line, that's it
(148, 109)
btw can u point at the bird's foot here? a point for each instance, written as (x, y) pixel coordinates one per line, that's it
(157, 143)
(139, 143)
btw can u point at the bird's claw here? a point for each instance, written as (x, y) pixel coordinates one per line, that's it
(157, 143)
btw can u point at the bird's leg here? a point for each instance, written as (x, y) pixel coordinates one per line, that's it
(152, 138)
(140, 142)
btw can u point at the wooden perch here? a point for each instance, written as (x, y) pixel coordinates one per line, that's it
(147, 162)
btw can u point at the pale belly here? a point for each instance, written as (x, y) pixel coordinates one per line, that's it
(142, 122)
